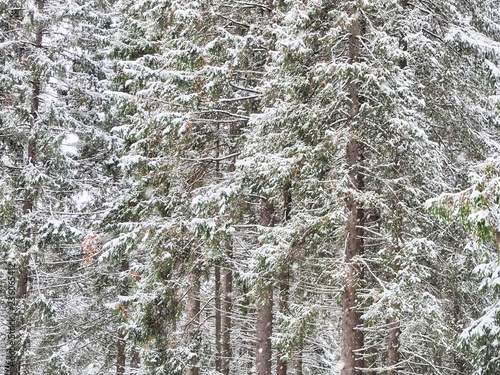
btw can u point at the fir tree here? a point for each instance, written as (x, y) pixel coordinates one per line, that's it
(52, 95)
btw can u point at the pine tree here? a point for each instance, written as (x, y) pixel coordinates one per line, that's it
(187, 96)
(51, 93)
(476, 209)
(239, 187)
(391, 116)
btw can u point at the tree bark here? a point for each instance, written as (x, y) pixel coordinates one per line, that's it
(226, 312)
(11, 365)
(227, 287)
(402, 43)
(281, 366)
(217, 276)
(134, 362)
(393, 347)
(218, 320)
(287, 200)
(245, 310)
(298, 361)
(264, 331)
(394, 326)
(120, 357)
(193, 320)
(121, 344)
(13, 356)
(263, 350)
(352, 337)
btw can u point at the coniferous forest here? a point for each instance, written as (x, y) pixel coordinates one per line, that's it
(249, 187)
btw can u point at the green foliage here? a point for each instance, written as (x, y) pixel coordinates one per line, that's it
(476, 206)
(477, 209)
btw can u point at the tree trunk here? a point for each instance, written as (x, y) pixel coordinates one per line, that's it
(193, 320)
(218, 320)
(120, 357)
(11, 365)
(121, 344)
(226, 312)
(298, 361)
(13, 356)
(394, 326)
(402, 43)
(264, 331)
(287, 200)
(281, 366)
(352, 337)
(217, 276)
(134, 362)
(393, 347)
(265, 306)
(249, 349)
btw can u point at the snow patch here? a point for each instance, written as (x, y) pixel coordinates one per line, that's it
(69, 145)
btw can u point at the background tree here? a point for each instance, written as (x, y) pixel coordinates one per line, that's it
(240, 187)
(53, 111)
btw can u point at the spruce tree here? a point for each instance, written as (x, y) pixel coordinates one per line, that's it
(51, 95)
(378, 92)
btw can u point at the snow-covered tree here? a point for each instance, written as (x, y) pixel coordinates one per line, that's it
(358, 119)
(267, 210)
(52, 122)
(476, 208)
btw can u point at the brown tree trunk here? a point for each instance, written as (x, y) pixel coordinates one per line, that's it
(263, 350)
(281, 366)
(218, 304)
(394, 326)
(402, 43)
(245, 310)
(226, 312)
(264, 331)
(217, 276)
(120, 357)
(227, 288)
(218, 320)
(134, 362)
(393, 347)
(121, 344)
(298, 361)
(250, 362)
(10, 348)
(193, 320)
(352, 337)
(287, 200)
(13, 356)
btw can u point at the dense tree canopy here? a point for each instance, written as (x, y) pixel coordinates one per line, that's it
(249, 187)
